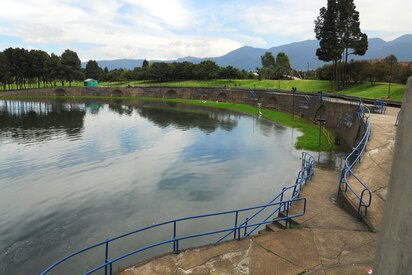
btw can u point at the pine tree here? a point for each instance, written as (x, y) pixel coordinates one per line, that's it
(338, 30)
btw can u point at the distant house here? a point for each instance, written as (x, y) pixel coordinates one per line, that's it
(90, 82)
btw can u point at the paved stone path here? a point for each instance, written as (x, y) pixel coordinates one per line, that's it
(327, 240)
(376, 164)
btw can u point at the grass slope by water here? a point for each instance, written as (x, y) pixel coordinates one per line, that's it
(308, 141)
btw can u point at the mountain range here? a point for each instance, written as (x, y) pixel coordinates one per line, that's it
(301, 54)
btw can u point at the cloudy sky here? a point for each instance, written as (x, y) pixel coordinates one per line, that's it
(168, 29)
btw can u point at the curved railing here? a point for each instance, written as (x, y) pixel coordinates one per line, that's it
(237, 231)
(305, 174)
(364, 194)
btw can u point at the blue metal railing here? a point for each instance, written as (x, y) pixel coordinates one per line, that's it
(304, 175)
(364, 194)
(237, 231)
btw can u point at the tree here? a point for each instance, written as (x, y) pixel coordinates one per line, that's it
(38, 62)
(268, 70)
(71, 66)
(93, 70)
(145, 63)
(338, 30)
(159, 71)
(282, 65)
(206, 70)
(405, 72)
(4, 70)
(268, 60)
(54, 69)
(229, 72)
(282, 61)
(325, 72)
(393, 68)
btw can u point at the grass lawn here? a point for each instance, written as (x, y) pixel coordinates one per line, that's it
(379, 90)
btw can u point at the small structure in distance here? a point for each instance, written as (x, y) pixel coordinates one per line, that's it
(90, 82)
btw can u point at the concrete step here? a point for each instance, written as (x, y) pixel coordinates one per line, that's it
(275, 226)
(292, 221)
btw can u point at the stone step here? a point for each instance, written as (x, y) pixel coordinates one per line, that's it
(292, 221)
(275, 226)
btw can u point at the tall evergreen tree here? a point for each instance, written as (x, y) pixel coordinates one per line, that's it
(268, 60)
(338, 30)
(145, 63)
(93, 70)
(71, 66)
(54, 70)
(4, 70)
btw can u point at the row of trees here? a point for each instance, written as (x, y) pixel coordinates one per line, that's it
(338, 30)
(384, 70)
(21, 68)
(162, 71)
(274, 68)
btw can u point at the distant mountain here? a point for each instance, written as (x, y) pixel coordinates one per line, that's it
(118, 63)
(302, 54)
(189, 59)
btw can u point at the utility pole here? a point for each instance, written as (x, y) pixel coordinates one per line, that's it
(293, 102)
(390, 79)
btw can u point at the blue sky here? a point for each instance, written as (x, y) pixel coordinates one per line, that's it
(168, 29)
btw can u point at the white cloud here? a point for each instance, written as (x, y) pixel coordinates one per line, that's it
(173, 13)
(388, 19)
(166, 29)
(283, 18)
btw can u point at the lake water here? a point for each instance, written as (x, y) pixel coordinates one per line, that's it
(73, 173)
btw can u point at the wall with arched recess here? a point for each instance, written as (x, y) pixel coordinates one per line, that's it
(117, 93)
(222, 97)
(271, 102)
(303, 106)
(171, 94)
(59, 92)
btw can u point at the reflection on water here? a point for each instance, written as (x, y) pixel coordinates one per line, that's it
(38, 121)
(75, 172)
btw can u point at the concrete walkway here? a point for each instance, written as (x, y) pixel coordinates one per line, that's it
(376, 164)
(327, 240)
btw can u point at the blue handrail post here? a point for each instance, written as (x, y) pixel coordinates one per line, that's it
(174, 237)
(244, 234)
(359, 209)
(236, 218)
(287, 222)
(111, 268)
(106, 258)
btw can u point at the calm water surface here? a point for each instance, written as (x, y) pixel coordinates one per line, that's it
(75, 173)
